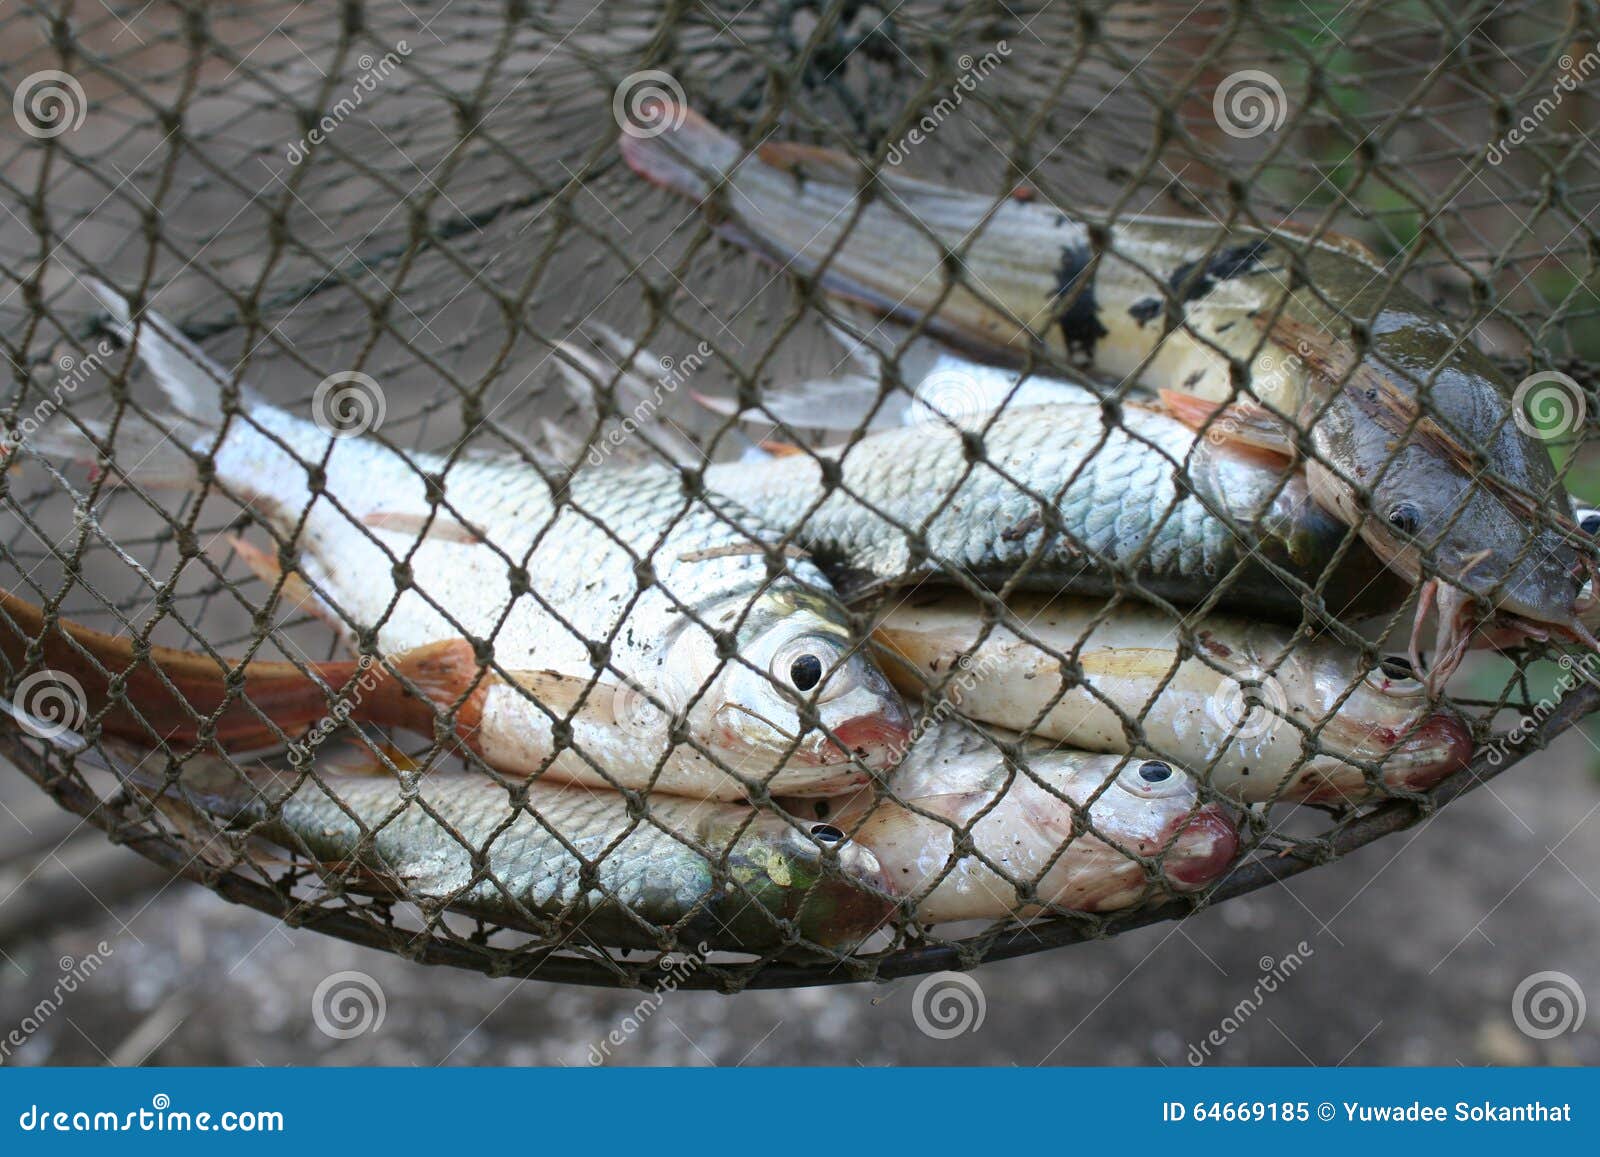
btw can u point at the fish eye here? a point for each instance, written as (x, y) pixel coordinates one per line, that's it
(1589, 521)
(1154, 771)
(1152, 779)
(1405, 518)
(805, 672)
(827, 834)
(803, 664)
(1394, 675)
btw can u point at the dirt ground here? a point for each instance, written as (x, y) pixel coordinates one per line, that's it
(1416, 946)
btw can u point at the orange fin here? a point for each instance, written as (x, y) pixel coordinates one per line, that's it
(812, 162)
(434, 525)
(170, 695)
(780, 449)
(1243, 423)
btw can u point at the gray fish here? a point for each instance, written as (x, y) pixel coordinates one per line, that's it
(1057, 500)
(559, 860)
(593, 609)
(1401, 419)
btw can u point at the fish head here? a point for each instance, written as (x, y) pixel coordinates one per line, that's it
(803, 690)
(807, 871)
(1481, 550)
(1359, 709)
(1384, 715)
(1150, 807)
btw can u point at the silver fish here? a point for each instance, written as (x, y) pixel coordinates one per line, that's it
(1059, 829)
(596, 607)
(1233, 698)
(1175, 303)
(561, 861)
(1059, 500)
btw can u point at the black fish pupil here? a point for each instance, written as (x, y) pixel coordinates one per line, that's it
(826, 834)
(1405, 518)
(806, 672)
(1154, 771)
(1396, 667)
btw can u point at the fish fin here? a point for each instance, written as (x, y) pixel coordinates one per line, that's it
(191, 380)
(1241, 423)
(831, 166)
(171, 695)
(608, 363)
(158, 459)
(813, 162)
(448, 675)
(566, 448)
(560, 692)
(165, 694)
(778, 449)
(435, 525)
(295, 589)
(688, 158)
(834, 404)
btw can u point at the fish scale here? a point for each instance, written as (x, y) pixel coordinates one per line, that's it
(722, 873)
(1119, 499)
(601, 599)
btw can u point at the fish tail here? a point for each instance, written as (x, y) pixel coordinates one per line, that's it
(186, 698)
(136, 449)
(690, 157)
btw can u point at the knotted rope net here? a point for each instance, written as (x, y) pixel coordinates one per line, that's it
(428, 200)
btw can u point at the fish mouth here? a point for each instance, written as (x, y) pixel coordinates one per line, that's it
(1200, 846)
(1460, 625)
(1440, 746)
(877, 740)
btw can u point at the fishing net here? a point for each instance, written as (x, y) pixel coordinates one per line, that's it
(430, 196)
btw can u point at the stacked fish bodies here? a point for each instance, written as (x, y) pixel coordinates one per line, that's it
(1262, 713)
(1062, 498)
(1306, 347)
(600, 609)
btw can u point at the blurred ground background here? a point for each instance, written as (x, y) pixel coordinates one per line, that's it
(1418, 943)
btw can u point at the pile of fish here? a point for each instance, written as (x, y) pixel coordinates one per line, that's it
(1100, 619)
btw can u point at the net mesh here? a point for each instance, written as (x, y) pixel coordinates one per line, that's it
(431, 195)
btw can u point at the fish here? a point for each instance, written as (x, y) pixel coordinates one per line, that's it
(1053, 830)
(625, 632)
(1061, 500)
(932, 383)
(1235, 699)
(563, 861)
(1409, 432)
